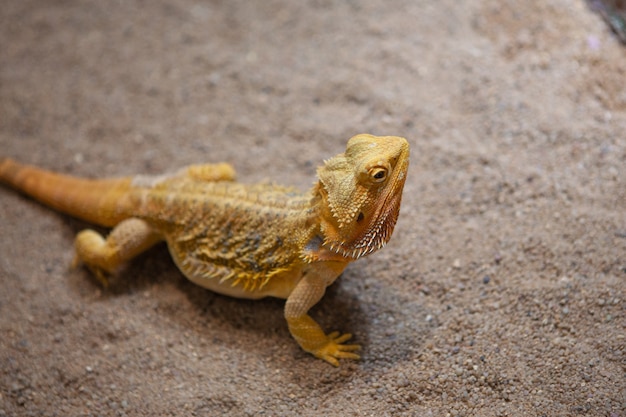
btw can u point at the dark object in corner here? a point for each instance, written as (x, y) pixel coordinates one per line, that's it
(614, 12)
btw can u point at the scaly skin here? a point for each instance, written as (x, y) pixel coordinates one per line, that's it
(246, 241)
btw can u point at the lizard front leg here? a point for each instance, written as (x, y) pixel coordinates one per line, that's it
(103, 256)
(303, 328)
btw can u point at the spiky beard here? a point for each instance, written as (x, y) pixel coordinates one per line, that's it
(377, 233)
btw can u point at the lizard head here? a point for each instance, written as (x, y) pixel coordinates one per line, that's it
(360, 192)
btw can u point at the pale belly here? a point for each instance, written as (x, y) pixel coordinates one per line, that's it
(280, 285)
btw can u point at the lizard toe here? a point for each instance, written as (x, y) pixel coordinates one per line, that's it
(334, 349)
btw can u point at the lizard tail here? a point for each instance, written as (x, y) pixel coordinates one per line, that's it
(95, 201)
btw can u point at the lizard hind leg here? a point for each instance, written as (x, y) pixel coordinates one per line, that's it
(104, 256)
(212, 172)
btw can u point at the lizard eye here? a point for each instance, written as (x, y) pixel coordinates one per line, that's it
(378, 174)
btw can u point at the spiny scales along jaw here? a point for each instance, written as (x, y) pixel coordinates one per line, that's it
(362, 189)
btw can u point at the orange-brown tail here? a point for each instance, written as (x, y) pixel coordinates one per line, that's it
(96, 201)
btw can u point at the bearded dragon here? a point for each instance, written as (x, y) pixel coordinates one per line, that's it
(245, 241)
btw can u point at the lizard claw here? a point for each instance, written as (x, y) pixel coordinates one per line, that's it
(334, 349)
(101, 275)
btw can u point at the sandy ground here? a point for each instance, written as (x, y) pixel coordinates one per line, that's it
(502, 292)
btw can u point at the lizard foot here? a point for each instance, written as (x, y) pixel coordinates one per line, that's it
(101, 275)
(334, 349)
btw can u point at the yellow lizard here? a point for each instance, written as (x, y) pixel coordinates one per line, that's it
(246, 241)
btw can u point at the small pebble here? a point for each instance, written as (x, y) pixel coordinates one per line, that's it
(486, 279)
